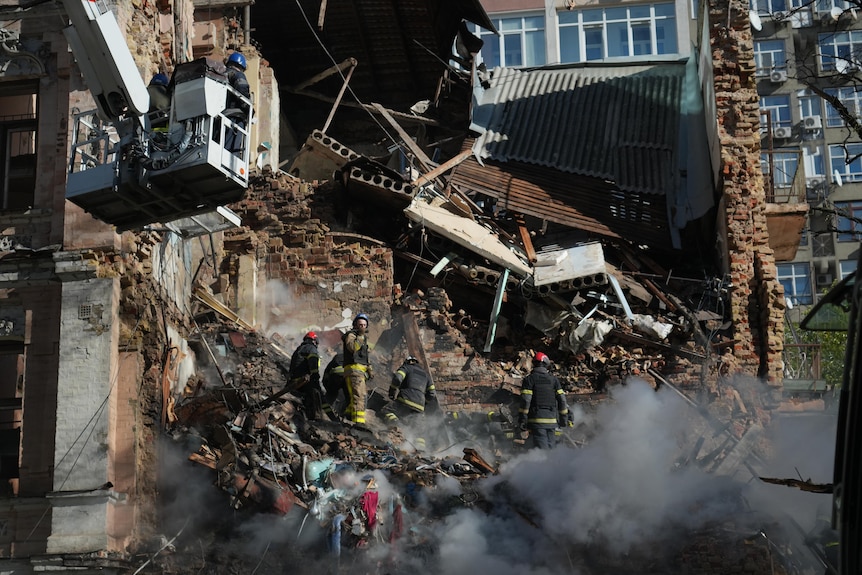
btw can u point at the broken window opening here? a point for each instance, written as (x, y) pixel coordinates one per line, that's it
(18, 140)
(11, 416)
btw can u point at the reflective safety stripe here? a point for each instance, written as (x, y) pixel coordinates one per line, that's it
(356, 366)
(338, 369)
(420, 443)
(559, 392)
(409, 403)
(526, 392)
(543, 420)
(359, 417)
(391, 417)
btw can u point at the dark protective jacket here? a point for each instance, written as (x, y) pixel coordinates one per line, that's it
(543, 399)
(305, 361)
(333, 373)
(355, 349)
(413, 386)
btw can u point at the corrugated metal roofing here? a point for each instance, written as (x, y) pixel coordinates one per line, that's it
(615, 123)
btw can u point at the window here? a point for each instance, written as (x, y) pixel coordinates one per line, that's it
(812, 156)
(768, 6)
(846, 267)
(840, 155)
(809, 104)
(852, 100)
(796, 280)
(849, 221)
(521, 42)
(11, 392)
(777, 110)
(827, 5)
(841, 51)
(768, 56)
(17, 146)
(784, 166)
(625, 31)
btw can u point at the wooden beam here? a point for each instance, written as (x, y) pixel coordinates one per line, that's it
(321, 16)
(441, 169)
(348, 63)
(338, 100)
(414, 340)
(525, 238)
(406, 118)
(408, 140)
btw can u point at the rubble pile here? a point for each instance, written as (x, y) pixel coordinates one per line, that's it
(333, 497)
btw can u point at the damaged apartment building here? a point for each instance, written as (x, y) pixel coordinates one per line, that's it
(608, 213)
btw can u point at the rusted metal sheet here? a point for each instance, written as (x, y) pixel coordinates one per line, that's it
(583, 203)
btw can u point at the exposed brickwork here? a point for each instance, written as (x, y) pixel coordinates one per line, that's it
(756, 295)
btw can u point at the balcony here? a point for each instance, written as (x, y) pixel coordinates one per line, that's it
(802, 377)
(786, 206)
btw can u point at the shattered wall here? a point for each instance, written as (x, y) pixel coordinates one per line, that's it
(327, 275)
(757, 298)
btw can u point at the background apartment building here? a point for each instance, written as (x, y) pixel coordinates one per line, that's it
(808, 152)
(807, 56)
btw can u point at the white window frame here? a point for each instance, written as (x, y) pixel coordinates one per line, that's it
(769, 55)
(779, 105)
(521, 26)
(851, 99)
(840, 51)
(847, 267)
(796, 279)
(632, 22)
(838, 157)
(814, 161)
(847, 228)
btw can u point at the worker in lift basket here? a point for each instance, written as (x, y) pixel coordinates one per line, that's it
(235, 108)
(160, 101)
(543, 404)
(357, 367)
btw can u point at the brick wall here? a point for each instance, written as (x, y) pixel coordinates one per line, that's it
(756, 295)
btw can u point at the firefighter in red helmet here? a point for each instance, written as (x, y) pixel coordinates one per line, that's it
(543, 404)
(305, 375)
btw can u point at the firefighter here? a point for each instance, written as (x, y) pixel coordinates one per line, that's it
(334, 387)
(160, 101)
(543, 406)
(357, 368)
(236, 109)
(305, 375)
(411, 391)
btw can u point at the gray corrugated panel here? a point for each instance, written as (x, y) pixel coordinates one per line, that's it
(616, 123)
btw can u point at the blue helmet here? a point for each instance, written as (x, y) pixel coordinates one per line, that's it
(359, 317)
(238, 59)
(159, 80)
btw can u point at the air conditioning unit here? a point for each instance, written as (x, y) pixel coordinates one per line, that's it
(813, 182)
(781, 133)
(780, 15)
(824, 279)
(778, 76)
(813, 122)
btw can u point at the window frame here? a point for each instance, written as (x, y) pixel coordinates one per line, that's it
(532, 51)
(795, 277)
(662, 27)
